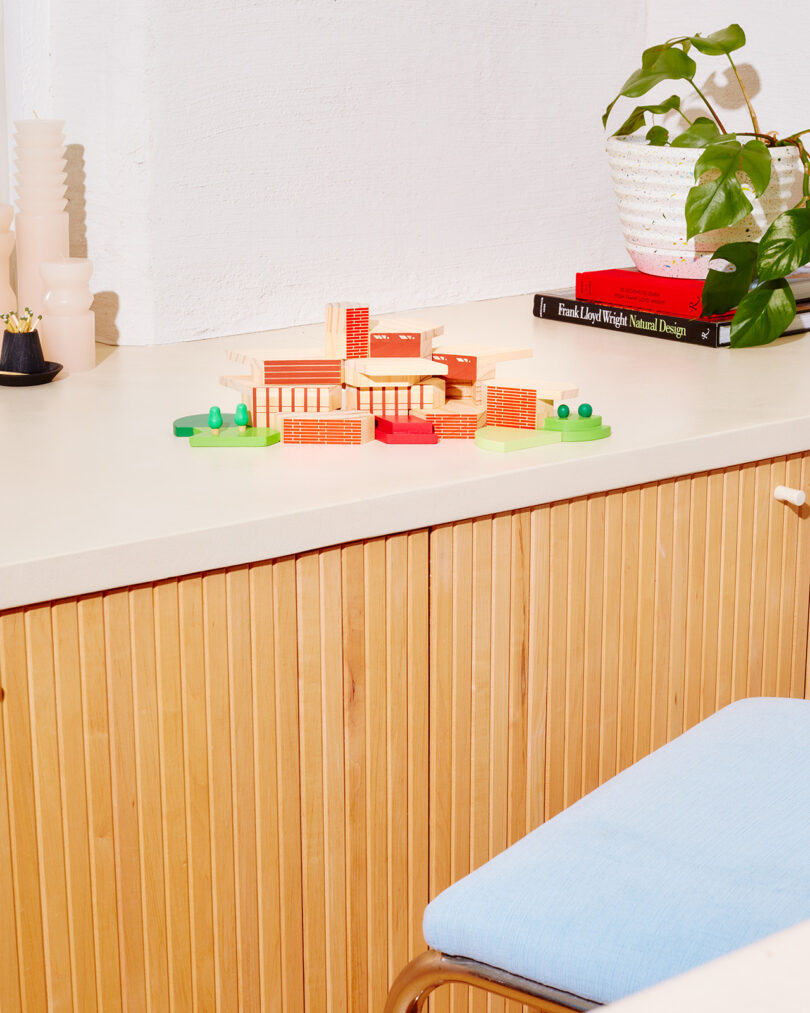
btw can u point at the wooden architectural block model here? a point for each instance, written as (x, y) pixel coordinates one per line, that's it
(339, 427)
(518, 406)
(418, 393)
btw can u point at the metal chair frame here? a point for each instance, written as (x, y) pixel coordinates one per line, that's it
(430, 970)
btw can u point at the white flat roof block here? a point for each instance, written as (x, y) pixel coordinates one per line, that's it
(395, 367)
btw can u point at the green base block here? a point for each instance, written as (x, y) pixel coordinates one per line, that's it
(573, 423)
(503, 440)
(188, 425)
(576, 429)
(231, 437)
(584, 435)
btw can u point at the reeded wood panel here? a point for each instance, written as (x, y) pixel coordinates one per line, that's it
(571, 639)
(214, 790)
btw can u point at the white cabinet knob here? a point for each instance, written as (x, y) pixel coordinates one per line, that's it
(788, 495)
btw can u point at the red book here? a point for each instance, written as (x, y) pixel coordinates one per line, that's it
(632, 290)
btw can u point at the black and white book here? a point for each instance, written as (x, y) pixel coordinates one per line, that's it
(561, 305)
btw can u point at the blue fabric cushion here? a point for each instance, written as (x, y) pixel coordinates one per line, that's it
(698, 849)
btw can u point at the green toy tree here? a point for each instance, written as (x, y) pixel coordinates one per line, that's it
(215, 420)
(241, 418)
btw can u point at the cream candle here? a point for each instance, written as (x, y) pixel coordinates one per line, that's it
(42, 223)
(68, 325)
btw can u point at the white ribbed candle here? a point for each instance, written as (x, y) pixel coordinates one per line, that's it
(42, 222)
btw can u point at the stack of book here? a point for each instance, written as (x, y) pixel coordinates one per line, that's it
(624, 299)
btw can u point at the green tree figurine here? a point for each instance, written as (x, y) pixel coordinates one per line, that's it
(215, 420)
(241, 418)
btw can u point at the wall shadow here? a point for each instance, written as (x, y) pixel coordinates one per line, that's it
(77, 199)
(105, 304)
(723, 88)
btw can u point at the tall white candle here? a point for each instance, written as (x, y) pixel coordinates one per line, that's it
(68, 325)
(42, 223)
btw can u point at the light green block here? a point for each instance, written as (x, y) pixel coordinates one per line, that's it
(573, 423)
(585, 435)
(503, 440)
(188, 425)
(229, 436)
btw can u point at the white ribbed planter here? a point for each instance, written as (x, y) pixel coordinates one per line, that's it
(651, 185)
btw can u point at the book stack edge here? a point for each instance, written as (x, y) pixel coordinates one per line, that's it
(626, 300)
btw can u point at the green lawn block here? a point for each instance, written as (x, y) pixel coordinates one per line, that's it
(189, 424)
(584, 435)
(503, 440)
(229, 437)
(573, 423)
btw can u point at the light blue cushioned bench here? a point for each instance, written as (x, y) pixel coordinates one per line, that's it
(696, 850)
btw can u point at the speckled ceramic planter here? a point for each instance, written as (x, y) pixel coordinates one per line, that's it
(651, 185)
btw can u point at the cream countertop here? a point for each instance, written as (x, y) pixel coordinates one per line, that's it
(769, 975)
(98, 493)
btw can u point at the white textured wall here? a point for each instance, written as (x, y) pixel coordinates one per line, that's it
(248, 160)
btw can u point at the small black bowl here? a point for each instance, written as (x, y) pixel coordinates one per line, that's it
(14, 379)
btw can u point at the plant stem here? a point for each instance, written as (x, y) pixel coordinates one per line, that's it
(769, 139)
(708, 106)
(806, 163)
(745, 94)
(690, 122)
(798, 133)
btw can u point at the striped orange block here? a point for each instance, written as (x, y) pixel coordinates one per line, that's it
(512, 407)
(347, 330)
(453, 422)
(336, 428)
(270, 400)
(302, 372)
(357, 337)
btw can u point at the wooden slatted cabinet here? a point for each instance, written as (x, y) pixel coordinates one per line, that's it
(237, 790)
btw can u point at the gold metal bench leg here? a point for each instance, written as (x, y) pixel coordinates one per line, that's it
(428, 971)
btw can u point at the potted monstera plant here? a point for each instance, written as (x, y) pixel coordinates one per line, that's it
(705, 201)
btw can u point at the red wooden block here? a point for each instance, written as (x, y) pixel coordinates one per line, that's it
(430, 437)
(462, 368)
(395, 344)
(396, 424)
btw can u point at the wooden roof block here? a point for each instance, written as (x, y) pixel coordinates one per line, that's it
(377, 367)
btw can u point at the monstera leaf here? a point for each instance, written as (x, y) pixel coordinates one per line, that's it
(702, 133)
(720, 202)
(763, 314)
(723, 290)
(719, 43)
(786, 244)
(657, 136)
(658, 63)
(636, 118)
